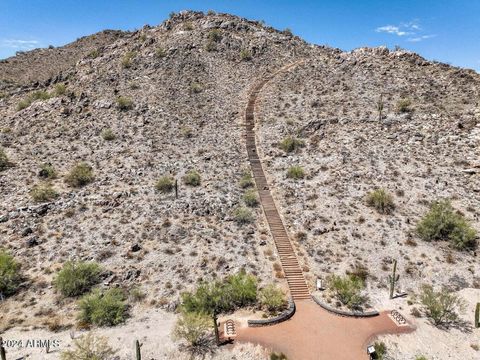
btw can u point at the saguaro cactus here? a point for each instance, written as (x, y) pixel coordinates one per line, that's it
(392, 279)
(380, 107)
(3, 356)
(477, 315)
(137, 350)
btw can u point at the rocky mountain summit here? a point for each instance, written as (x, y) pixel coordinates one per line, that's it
(168, 102)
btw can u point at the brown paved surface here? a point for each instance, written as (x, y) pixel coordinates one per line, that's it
(315, 334)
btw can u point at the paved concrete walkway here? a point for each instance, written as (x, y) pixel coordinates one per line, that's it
(315, 334)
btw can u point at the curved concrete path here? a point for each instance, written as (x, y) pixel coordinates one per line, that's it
(312, 333)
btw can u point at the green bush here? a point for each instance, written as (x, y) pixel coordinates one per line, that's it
(9, 274)
(380, 349)
(250, 198)
(89, 347)
(404, 106)
(215, 35)
(60, 89)
(106, 308)
(421, 357)
(4, 163)
(194, 328)
(192, 178)
(165, 184)
(290, 144)
(196, 87)
(443, 223)
(80, 175)
(124, 103)
(160, 52)
(347, 290)
(381, 201)
(47, 171)
(127, 59)
(37, 95)
(295, 172)
(241, 289)
(43, 192)
(441, 307)
(108, 135)
(245, 55)
(278, 356)
(233, 292)
(243, 216)
(76, 278)
(246, 180)
(272, 298)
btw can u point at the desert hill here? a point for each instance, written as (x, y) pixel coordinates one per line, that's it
(169, 100)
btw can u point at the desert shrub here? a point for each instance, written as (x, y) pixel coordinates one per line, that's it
(108, 134)
(241, 289)
(194, 328)
(165, 184)
(36, 95)
(222, 296)
(421, 357)
(60, 89)
(80, 175)
(4, 163)
(106, 308)
(94, 54)
(404, 106)
(76, 278)
(47, 171)
(192, 178)
(210, 46)
(243, 216)
(441, 307)
(186, 132)
(124, 103)
(89, 347)
(381, 201)
(272, 298)
(215, 35)
(137, 294)
(347, 290)
(245, 55)
(246, 180)
(295, 172)
(278, 356)
(250, 198)
(43, 192)
(288, 32)
(127, 59)
(443, 223)
(196, 87)
(9, 274)
(290, 144)
(160, 52)
(188, 26)
(380, 349)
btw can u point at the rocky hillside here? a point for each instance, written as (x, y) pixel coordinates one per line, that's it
(167, 101)
(163, 101)
(40, 65)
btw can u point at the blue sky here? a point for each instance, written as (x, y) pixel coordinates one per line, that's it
(443, 30)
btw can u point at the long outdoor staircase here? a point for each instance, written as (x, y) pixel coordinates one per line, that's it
(291, 267)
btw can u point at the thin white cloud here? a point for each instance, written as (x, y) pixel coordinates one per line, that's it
(19, 44)
(392, 29)
(412, 29)
(421, 38)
